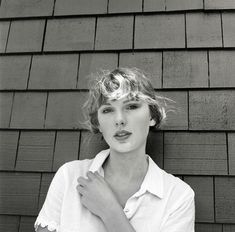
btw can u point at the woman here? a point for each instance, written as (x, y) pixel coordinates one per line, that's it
(121, 189)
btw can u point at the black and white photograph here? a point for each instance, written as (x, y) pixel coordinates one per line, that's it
(117, 116)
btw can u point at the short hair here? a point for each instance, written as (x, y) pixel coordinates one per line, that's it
(119, 83)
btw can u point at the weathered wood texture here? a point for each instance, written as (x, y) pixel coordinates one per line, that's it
(48, 49)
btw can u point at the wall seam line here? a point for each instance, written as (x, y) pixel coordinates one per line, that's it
(12, 103)
(78, 67)
(53, 11)
(214, 189)
(133, 34)
(208, 66)
(185, 30)
(107, 6)
(30, 67)
(79, 147)
(45, 114)
(17, 149)
(227, 151)
(222, 30)
(8, 35)
(44, 35)
(96, 22)
(53, 155)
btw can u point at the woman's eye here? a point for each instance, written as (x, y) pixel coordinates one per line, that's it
(106, 110)
(132, 106)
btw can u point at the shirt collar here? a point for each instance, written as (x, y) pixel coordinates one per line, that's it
(153, 181)
(98, 162)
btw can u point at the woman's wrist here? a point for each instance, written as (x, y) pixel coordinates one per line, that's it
(111, 212)
(116, 221)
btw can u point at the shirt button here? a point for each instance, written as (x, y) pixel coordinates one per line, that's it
(126, 210)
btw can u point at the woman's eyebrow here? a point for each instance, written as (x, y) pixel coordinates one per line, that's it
(106, 104)
(131, 100)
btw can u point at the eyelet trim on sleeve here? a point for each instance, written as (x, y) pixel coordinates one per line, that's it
(51, 225)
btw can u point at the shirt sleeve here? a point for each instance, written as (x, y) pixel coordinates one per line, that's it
(51, 210)
(182, 218)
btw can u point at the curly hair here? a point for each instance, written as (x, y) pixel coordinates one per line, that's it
(119, 83)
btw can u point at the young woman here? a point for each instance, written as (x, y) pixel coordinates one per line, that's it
(121, 189)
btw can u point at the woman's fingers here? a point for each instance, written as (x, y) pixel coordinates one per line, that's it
(91, 175)
(81, 189)
(82, 181)
(96, 173)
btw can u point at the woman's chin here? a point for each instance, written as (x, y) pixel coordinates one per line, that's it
(122, 148)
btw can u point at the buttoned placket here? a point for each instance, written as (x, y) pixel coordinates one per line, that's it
(132, 204)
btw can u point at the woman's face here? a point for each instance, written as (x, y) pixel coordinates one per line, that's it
(125, 124)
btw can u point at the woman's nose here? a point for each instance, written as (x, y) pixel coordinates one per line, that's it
(120, 119)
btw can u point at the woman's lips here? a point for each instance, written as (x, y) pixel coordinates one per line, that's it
(122, 135)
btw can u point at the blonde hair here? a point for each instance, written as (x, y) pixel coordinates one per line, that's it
(119, 83)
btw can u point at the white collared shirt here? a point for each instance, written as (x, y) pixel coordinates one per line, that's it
(163, 203)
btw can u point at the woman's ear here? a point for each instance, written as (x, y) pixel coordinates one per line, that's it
(152, 122)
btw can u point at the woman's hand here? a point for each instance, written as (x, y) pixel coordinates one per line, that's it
(96, 195)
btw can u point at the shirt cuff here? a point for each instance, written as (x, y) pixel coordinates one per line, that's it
(51, 225)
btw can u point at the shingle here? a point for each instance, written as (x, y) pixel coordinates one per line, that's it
(123, 6)
(184, 4)
(20, 193)
(225, 199)
(26, 8)
(154, 5)
(26, 36)
(222, 68)
(26, 224)
(45, 183)
(14, 72)
(204, 200)
(195, 153)
(70, 34)
(229, 29)
(64, 110)
(218, 4)
(207, 227)
(160, 31)
(35, 151)
(8, 146)
(28, 110)
(91, 145)
(66, 148)
(154, 147)
(212, 110)
(4, 27)
(91, 63)
(203, 30)
(114, 33)
(231, 153)
(54, 72)
(5, 106)
(177, 113)
(79, 7)
(185, 69)
(149, 62)
(228, 228)
(9, 223)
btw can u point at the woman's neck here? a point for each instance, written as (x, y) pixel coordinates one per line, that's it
(132, 165)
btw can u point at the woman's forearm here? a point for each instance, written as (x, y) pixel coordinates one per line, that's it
(117, 221)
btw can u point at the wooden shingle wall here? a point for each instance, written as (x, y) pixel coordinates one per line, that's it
(47, 49)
